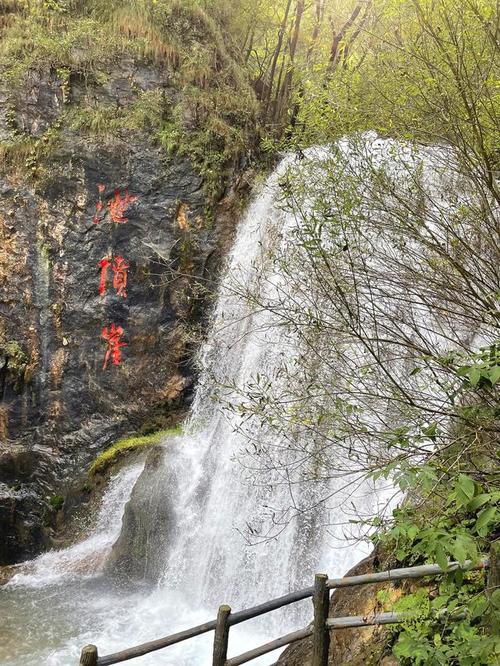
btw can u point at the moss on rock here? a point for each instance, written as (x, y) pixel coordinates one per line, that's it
(56, 502)
(126, 445)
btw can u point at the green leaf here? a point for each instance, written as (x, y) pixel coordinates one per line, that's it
(485, 517)
(463, 548)
(478, 606)
(495, 599)
(430, 431)
(494, 374)
(441, 601)
(478, 501)
(401, 554)
(458, 577)
(474, 375)
(464, 489)
(412, 532)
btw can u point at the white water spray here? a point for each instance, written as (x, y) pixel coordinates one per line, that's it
(87, 557)
(218, 506)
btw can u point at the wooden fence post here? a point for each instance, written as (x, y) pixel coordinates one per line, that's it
(221, 636)
(89, 656)
(321, 632)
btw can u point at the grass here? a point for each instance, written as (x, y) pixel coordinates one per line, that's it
(126, 445)
(144, 113)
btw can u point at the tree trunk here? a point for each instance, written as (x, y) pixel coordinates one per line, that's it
(276, 55)
(335, 51)
(284, 93)
(319, 11)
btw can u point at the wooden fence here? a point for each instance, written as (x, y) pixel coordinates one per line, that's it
(319, 629)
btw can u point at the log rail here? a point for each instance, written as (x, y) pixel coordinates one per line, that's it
(319, 629)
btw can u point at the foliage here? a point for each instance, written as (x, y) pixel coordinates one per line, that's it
(453, 521)
(145, 112)
(449, 624)
(462, 519)
(485, 367)
(15, 360)
(24, 153)
(411, 68)
(128, 444)
(420, 70)
(12, 350)
(452, 514)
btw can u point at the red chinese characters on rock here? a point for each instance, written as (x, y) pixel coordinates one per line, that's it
(112, 335)
(119, 267)
(115, 209)
(104, 264)
(117, 206)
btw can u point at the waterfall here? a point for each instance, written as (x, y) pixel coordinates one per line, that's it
(237, 533)
(89, 555)
(243, 534)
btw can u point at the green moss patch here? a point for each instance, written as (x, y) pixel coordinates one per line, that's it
(56, 502)
(127, 444)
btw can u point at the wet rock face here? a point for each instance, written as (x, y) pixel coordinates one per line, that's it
(139, 552)
(58, 407)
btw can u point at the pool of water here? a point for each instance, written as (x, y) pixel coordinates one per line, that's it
(50, 624)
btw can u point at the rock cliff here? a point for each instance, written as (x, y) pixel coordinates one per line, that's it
(108, 225)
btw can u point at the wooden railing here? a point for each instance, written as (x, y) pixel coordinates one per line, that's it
(319, 629)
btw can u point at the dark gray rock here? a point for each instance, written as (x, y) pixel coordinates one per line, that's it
(139, 552)
(58, 407)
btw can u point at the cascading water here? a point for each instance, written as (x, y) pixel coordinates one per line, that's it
(84, 557)
(214, 504)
